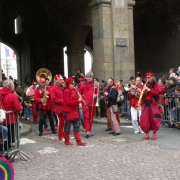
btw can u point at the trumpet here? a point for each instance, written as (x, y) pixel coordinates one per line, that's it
(79, 95)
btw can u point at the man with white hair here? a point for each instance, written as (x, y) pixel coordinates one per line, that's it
(89, 94)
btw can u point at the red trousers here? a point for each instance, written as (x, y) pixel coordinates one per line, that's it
(88, 117)
(60, 126)
(150, 118)
(34, 110)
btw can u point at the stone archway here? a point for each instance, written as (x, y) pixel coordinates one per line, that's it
(75, 50)
(17, 61)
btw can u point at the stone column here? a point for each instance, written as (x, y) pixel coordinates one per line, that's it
(102, 38)
(112, 22)
(75, 61)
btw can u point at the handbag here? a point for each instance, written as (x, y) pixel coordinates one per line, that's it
(115, 108)
(72, 116)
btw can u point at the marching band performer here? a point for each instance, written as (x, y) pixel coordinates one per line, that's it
(58, 101)
(30, 94)
(41, 96)
(150, 117)
(135, 109)
(89, 94)
(71, 114)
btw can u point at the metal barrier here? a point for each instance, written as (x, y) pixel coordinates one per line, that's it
(125, 108)
(171, 110)
(10, 137)
(171, 106)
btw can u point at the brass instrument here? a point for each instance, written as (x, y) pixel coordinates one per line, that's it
(44, 73)
(79, 95)
(127, 86)
(97, 100)
(19, 97)
(141, 95)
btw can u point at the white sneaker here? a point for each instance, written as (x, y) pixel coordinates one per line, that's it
(62, 140)
(71, 137)
(136, 132)
(22, 117)
(142, 132)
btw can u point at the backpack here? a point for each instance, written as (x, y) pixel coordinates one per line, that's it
(120, 96)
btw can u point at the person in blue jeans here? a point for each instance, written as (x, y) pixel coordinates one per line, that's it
(3, 137)
(27, 105)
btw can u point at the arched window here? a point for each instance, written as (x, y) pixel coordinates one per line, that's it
(88, 60)
(8, 61)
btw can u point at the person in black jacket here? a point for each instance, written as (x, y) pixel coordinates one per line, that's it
(169, 95)
(111, 99)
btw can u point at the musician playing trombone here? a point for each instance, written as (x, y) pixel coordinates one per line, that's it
(89, 94)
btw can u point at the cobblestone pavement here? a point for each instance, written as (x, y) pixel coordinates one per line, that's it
(105, 157)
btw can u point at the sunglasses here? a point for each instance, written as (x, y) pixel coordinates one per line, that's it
(148, 77)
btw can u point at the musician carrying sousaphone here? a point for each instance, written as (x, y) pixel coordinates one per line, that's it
(42, 97)
(149, 99)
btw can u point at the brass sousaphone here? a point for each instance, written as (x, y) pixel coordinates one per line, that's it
(44, 73)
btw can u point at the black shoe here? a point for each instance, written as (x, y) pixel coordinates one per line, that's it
(172, 126)
(111, 132)
(87, 136)
(40, 134)
(115, 134)
(54, 132)
(108, 129)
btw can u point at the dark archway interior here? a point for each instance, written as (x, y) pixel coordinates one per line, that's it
(157, 35)
(44, 31)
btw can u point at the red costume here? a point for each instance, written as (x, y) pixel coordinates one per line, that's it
(70, 106)
(135, 98)
(150, 118)
(44, 109)
(57, 103)
(87, 91)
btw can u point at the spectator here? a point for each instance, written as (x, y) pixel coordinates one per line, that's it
(178, 72)
(169, 100)
(27, 105)
(162, 91)
(176, 109)
(78, 76)
(171, 70)
(10, 103)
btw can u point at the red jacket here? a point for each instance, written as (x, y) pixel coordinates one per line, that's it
(57, 99)
(153, 94)
(70, 100)
(134, 99)
(10, 103)
(39, 93)
(87, 90)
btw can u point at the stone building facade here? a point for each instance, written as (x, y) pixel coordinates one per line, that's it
(105, 26)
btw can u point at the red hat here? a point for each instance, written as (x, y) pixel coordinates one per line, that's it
(82, 79)
(42, 80)
(149, 74)
(34, 83)
(69, 81)
(57, 77)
